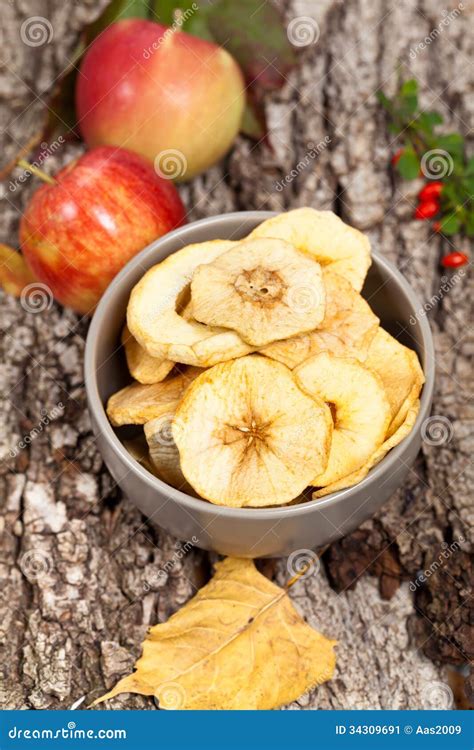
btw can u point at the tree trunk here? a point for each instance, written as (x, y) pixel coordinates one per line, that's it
(75, 555)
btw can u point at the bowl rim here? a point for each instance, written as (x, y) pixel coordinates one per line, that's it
(194, 504)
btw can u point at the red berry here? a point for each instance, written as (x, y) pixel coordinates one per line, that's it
(396, 157)
(454, 260)
(426, 210)
(437, 226)
(431, 191)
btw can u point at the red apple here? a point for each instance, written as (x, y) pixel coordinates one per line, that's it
(174, 98)
(77, 233)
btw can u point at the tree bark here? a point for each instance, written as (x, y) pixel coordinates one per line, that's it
(76, 557)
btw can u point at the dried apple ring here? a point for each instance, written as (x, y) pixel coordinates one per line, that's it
(137, 403)
(357, 476)
(164, 454)
(248, 436)
(154, 319)
(346, 330)
(324, 236)
(401, 374)
(360, 409)
(141, 365)
(263, 289)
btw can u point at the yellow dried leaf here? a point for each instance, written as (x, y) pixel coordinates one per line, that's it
(14, 273)
(238, 644)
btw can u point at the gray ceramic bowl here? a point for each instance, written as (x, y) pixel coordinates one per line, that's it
(248, 532)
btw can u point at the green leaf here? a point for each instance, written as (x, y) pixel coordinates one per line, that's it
(409, 88)
(450, 224)
(426, 121)
(469, 224)
(449, 194)
(408, 96)
(468, 184)
(384, 100)
(117, 10)
(198, 25)
(187, 14)
(253, 122)
(162, 10)
(254, 34)
(469, 167)
(408, 164)
(453, 143)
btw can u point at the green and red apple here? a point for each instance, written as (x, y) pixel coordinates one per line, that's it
(172, 97)
(77, 233)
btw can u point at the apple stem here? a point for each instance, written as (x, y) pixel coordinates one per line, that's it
(37, 172)
(178, 19)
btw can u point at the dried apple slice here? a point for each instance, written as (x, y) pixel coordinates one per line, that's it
(357, 476)
(164, 454)
(400, 371)
(360, 409)
(325, 237)
(138, 449)
(154, 319)
(347, 329)
(248, 436)
(137, 403)
(141, 365)
(263, 289)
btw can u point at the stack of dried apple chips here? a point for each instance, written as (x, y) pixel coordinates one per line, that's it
(260, 370)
